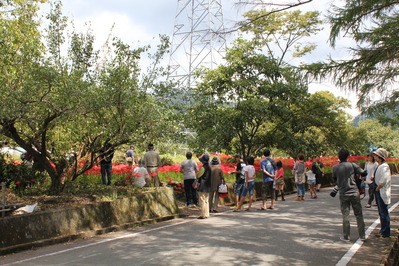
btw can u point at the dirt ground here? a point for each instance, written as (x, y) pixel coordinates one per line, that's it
(46, 202)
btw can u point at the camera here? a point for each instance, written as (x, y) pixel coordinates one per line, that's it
(334, 192)
(364, 173)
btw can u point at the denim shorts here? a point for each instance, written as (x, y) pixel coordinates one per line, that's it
(312, 182)
(250, 189)
(238, 189)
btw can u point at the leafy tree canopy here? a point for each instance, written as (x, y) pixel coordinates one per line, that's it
(373, 67)
(63, 107)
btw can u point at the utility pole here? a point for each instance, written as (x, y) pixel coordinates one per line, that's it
(198, 40)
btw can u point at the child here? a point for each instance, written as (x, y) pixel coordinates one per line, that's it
(312, 184)
(279, 180)
(250, 175)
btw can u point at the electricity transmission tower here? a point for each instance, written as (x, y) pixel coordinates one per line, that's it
(197, 40)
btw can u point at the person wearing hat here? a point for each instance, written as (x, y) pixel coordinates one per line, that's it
(204, 178)
(344, 174)
(382, 179)
(216, 179)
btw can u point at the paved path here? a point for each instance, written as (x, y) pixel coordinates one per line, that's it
(295, 233)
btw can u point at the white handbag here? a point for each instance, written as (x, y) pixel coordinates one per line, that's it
(222, 188)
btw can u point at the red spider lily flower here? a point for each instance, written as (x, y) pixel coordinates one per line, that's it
(133, 181)
(153, 174)
(170, 182)
(137, 175)
(127, 178)
(45, 180)
(176, 191)
(119, 183)
(18, 182)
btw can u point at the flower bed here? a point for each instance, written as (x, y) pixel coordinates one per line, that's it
(170, 174)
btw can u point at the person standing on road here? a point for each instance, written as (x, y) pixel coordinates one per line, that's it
(370, 167)
(240, 179)
(312, 184)
(189, 168)
(250, 175)
(268, 168)
(217, 178)
(152, 162)
(204, 178)
(300, 179)
(279, 180)
(344, 173)
(318, 170)
(382, 180)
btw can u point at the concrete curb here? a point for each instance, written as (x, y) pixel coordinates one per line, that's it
(44, 228)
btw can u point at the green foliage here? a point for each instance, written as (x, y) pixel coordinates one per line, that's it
(166, 161)
(63, 109)
(19, 176)
(317, 127)
(380, 136)
(282, 31)
(374, 63)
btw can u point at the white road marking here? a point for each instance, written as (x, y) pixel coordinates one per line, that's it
(355, 247)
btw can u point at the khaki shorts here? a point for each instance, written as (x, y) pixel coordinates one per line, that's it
(280, 184)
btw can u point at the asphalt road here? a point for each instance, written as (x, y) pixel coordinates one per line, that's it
(295, 233)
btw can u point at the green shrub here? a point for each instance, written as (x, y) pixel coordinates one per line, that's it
(19, 176)
(166, 161)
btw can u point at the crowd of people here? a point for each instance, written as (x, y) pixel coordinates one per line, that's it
(202, 184)
(146, 172)
(376, 174)
(210, 176)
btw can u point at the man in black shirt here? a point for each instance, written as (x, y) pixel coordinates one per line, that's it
(318, 170)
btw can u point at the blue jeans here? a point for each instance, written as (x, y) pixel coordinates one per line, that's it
(384, 215)
(191, 193)
(106, 170)
(248, 190)
(300, 190)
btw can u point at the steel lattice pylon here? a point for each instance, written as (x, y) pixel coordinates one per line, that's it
(197, 39)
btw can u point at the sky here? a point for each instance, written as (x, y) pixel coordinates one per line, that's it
(139, 23)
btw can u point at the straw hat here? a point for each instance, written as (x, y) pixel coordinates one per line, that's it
(382, 153)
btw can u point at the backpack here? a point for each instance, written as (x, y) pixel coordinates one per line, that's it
(359, 183)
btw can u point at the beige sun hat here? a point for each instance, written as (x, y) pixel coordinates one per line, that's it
(380, 152)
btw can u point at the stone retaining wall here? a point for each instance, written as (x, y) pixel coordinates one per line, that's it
(25, 231)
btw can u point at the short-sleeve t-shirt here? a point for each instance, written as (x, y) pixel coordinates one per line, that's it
(251, 172)
(240, 178)
(189, 168)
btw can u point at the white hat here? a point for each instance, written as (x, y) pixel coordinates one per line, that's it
(381, 153)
